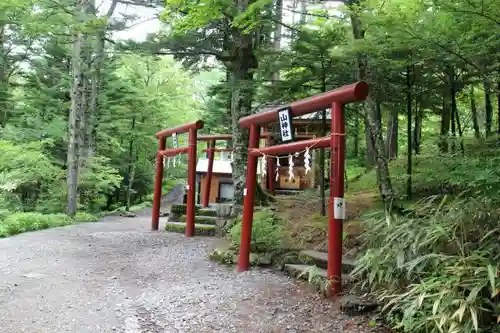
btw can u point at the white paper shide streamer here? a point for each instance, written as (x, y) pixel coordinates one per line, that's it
(168, 162)
(307, 160)
(290, 167)
(277, 170)
(263, 165)
(231, 159)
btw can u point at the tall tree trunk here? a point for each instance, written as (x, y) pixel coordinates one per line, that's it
(409, 103)
(473, 109)
(488, 106)
(373, 126)
(498, 106)
(97, 63)
(3, 78)
(417, 129)
(78, 106)
(242, 85)
(355, 151)
(445, 125)
(455, 120)
(278, 7)
(453, 114)
(322, 174)
(460, 133)
(131, 166)
(392, 135)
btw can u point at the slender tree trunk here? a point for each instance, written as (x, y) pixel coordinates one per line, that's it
(322, 185)
(473, 109)
(131, 166)
(488, 106)
(78, 107)
(4, 92)
(131, 179)
(373, 126)
(460, 132)
(498, 106)
(278, 7)
(445, 125)
(453, 124)
(392, 135)
(409, 104)
(92, 118)
(455, 120)
(417, 130)
(355, 151)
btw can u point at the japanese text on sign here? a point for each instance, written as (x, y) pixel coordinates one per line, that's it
(285, 120)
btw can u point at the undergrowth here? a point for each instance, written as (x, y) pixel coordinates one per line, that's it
(267, 232)
(438, 173)
(16, 223)
(437, 270)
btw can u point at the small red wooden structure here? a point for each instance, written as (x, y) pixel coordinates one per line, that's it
(211, 140)
(163, 151)
(336, 99)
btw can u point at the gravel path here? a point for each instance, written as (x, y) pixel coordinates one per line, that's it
(117, 276)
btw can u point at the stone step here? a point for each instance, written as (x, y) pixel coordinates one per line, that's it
(206, 212)
(201, 219)
(199, 228)
(320, 259)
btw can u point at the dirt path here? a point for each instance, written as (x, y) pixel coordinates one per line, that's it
(117, 276)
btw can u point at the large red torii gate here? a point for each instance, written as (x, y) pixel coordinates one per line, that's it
(192, 130)
(334, 99)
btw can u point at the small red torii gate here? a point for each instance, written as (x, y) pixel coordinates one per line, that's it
(211, 140)
(334, 99)
(210, 150)
(163, 151)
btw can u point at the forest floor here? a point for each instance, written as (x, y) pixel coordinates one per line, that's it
(118, 276)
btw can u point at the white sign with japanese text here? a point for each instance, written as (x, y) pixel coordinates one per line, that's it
(285, 118)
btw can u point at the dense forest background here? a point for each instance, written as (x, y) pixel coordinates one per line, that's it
(79, 109)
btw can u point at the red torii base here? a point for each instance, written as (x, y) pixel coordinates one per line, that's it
(192, 129)
(336, 99)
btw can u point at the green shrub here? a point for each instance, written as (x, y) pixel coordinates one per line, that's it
(436, 271)
(86, 217)
(21, 222)
(267, 232)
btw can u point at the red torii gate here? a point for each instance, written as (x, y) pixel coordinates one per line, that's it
(211, 140)
(210, 150)
(336, 99)
(192, 129)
